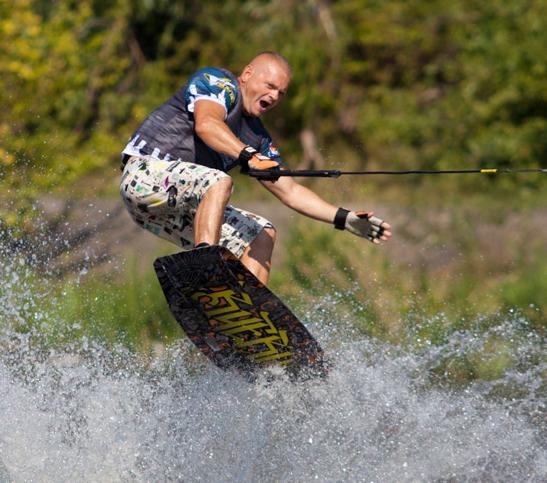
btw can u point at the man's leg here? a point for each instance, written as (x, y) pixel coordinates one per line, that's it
(210, 213)
(258, 255)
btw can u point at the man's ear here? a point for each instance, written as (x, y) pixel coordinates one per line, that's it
(247, 73)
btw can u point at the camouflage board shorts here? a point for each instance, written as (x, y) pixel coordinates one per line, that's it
(163, 196)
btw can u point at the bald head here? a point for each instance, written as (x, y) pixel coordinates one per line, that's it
(264, 82)
(267, 58)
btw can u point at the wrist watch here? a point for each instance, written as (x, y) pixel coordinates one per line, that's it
(245, 155)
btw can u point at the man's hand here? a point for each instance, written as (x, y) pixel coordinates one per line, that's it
(363, 224)
(261, 162)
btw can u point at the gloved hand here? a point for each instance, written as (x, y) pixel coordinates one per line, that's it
(363, 224)
(261, 162)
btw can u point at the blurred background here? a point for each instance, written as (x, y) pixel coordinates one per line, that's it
(377, 85)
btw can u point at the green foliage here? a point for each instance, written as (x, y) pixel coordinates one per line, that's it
(528, 293)
(450, 277)
(59, 70)
(392, 84)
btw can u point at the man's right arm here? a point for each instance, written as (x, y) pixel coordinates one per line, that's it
(213, 131)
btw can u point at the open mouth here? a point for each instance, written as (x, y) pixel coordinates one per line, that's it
(264, 104)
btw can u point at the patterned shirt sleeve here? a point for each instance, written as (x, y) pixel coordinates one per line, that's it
(211, 84)
(268, 149)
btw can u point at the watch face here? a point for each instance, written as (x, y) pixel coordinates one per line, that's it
(247, 153)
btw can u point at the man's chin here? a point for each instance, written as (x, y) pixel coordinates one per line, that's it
(256, 112)
(261, 111)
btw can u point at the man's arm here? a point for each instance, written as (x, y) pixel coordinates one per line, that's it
(301, 199)
(211, 128)
(308, 203)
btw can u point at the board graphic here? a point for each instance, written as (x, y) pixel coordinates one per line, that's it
(231, 316)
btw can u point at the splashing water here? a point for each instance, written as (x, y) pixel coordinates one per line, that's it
(87, 413)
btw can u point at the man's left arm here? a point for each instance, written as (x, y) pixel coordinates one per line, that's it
(308, 203)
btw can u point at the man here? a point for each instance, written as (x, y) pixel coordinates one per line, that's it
(175, 181)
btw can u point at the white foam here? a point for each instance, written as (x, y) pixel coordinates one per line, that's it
(85, 413)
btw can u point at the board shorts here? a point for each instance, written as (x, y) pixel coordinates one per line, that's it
(147, 190)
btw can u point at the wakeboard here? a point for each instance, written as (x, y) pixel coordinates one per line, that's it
(234, 319)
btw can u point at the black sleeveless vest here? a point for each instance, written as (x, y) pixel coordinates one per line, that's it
(168, 132)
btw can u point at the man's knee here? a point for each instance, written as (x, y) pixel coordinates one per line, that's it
(225, 185)
(221, 190)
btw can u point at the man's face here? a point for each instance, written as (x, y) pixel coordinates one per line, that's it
(263, 86)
